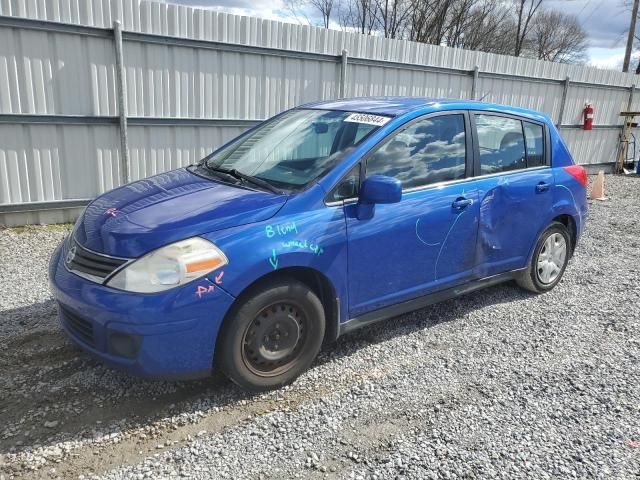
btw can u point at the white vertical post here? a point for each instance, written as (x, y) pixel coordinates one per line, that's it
(563, 101)
(474, 85)
(122, 104)
(343, 75)
(632, 90)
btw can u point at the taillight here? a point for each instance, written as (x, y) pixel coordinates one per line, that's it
(579, 173)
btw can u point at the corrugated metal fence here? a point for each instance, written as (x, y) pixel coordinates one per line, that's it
(193, 78)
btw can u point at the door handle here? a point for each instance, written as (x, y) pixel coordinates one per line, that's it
(461, 203)
(542, 187)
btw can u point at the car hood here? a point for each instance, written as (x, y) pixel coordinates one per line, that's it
(141, 216)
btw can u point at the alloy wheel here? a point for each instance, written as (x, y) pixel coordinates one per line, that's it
(551, 258)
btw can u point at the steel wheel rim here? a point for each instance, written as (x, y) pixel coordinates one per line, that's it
(272, 342)
(551, 258)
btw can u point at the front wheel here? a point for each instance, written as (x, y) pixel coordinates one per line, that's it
(549, 260)
(272, 336)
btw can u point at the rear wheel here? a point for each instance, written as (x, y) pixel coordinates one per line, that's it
(549, 260)
(272, 336)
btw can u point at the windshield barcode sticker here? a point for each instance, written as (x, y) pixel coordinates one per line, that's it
(367, 118)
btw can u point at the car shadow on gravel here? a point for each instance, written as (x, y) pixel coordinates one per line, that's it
(447, 311)
(51, 391)
(450, 310)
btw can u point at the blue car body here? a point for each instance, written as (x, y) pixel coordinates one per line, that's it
(404, 256)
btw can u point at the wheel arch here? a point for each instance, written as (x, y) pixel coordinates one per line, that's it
(566, 219)
(318, 282)
(569, 222)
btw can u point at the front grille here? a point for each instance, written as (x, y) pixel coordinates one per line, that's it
(89, 263)
(78, 325)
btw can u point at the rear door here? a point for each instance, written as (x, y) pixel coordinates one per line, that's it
(514, 181)
(427, 241)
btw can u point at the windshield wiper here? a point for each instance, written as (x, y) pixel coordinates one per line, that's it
(247, 178)
(218, 173)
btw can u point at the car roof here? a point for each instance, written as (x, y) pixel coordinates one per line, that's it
(396, 106)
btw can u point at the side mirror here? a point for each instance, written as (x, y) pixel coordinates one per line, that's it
(377, 189)
(381, 189)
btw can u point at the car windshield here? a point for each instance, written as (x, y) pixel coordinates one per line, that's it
(295, 148)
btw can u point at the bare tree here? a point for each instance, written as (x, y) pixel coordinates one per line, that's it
(558, 37)
(460, 15)
(297, 9)
(358, 15)
(510, 27)
(525, 12)
(429, 20)
(324, 8)
(392, 16)
(490, 28)
(472, 24)
(300, 10)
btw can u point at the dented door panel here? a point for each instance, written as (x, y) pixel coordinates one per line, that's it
(513, 209)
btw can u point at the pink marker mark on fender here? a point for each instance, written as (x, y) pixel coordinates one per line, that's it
(219, 278)
(200, 290)
(111, 211)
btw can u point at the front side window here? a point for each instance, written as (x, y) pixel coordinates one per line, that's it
(429, 151)
(501, 144)
(348, 186)
(297, 147)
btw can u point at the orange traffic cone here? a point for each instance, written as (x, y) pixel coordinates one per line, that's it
(597, 192)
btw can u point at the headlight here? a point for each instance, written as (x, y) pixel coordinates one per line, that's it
(170, 266)
(72, 235)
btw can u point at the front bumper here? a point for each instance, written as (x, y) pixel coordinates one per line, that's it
(169, 335)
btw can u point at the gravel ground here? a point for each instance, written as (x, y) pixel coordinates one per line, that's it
(497, 384)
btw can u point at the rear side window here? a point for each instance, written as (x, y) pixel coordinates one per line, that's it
(429, 151)
(501, 144)
(534, 137)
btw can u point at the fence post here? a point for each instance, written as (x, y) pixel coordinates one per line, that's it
(343, 74)
(563, 102)
(632, 89)
(474, 85)
(122, 104)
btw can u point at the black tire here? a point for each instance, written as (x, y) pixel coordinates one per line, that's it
(272, 335)
(532, 278)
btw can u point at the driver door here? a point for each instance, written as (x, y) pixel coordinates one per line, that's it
(427, 241)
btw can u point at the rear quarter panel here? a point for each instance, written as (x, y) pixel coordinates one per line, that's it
(569, 195)
(570, 198)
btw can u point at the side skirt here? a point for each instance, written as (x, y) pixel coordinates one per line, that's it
(424, 301)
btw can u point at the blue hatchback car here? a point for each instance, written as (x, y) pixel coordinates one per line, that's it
(318, 221)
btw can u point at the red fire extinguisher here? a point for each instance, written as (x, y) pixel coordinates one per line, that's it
(588, 117)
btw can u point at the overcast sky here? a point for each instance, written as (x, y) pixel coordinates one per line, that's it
(606, 21)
